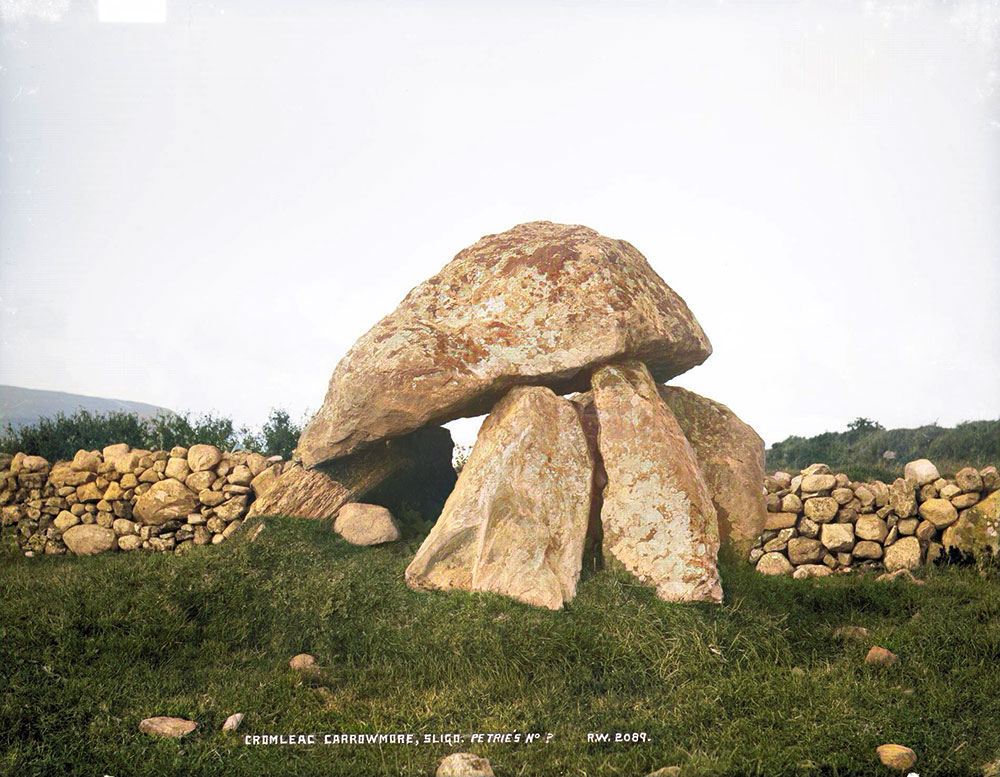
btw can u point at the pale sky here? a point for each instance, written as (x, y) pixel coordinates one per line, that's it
(205, 212)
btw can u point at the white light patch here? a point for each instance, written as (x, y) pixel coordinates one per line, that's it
(132, 11)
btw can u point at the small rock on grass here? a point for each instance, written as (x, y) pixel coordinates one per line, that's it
(167, 727)
(302, 662)
(464, 765)
(879, 656)
(233, 722)
(896, 756)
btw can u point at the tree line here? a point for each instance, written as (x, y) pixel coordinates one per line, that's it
(59, 437)
(868, 450)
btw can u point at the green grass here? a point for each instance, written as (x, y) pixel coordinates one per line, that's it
(90, 646)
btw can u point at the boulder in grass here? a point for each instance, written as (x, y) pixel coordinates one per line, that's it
(880, 656)
(464, 765)
(174, 728)
(896, 756)
(233, 722)
(540, 304)
(303, 662)
(364, 524)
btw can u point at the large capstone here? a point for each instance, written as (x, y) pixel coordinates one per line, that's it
(657, 515)
(517, 520)
(540, 304)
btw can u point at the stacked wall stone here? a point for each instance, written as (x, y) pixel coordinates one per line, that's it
(819, 522)
(130, 499)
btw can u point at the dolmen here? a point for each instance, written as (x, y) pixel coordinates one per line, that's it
(565, 338)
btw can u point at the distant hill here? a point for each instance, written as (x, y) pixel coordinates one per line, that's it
(869, 450)
(23, 406)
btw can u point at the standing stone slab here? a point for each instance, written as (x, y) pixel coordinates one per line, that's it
(540, 304)
(657, 516)
(517, 520)
(413, 463)
(302, 493)
(731, 457)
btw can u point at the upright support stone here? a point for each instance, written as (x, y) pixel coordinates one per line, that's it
(731, 458)
(657, 516)
(517, 520)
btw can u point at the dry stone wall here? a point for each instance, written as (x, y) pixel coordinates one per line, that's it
(819, 522)
(129, 499)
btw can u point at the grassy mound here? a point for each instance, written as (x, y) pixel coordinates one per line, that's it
(90, 646)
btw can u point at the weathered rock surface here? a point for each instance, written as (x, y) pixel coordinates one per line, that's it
(165, 501)
(540, 304)
(879, 656)
(233, 722)
(805, 571)
(940, 512)
(903, 554)
(320, 493)
(896, 756)
(731, 458)
(464, 765)
(837, 536)
(203, 457)
(921, 472)
(803, 550)
(302, 493)
(302, 662)
(975, 532)
(658, 518)
(820, 509)
(774, 564)
(167, 727)
(88, 539)
(364, 524)
(517, 520)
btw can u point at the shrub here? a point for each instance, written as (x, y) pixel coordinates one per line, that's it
(859, 451)
(61, 436)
